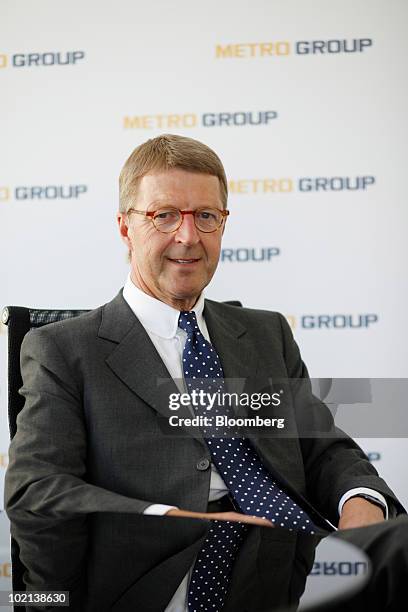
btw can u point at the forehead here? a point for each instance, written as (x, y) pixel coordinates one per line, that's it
(180, 187)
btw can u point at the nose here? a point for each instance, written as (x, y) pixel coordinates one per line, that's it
(187, 233)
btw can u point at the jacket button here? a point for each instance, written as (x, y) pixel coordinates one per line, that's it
(203, 465)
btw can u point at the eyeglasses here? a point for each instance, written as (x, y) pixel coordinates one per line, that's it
(168, 220)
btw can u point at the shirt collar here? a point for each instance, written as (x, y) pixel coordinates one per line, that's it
(156, 316)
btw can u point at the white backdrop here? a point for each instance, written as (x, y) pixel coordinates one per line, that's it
(305, 102)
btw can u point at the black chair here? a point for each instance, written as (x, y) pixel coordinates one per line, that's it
(19, 321)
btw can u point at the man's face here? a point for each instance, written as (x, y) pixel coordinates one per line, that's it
(173, 268)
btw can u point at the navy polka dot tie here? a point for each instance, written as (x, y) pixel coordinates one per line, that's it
(253, 489)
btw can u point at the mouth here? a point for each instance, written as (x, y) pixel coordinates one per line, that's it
(184, 262)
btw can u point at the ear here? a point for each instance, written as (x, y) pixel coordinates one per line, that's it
(123, 223)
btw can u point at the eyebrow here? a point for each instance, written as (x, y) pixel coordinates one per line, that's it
(170, 203)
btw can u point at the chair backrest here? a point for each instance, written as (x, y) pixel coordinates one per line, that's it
(19, 321)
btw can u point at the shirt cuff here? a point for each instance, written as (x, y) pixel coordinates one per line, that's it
(158, 509)
(363, 491)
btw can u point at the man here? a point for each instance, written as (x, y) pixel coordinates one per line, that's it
(104, 499)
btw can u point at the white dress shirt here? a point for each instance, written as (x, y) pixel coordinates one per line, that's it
(161, 324)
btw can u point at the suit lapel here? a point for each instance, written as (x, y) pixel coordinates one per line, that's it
(231, 341)
(136, 362)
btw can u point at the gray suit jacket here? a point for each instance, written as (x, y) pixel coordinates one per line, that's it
(92, 452)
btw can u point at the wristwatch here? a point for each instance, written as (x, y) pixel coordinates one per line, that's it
(374, 501)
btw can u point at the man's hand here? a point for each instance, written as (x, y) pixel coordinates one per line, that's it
(222, 516)
(359, 512)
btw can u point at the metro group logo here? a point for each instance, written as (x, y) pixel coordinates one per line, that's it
(194, 120)
(333, 321)
(284, 48)
(43, 192)
(47, 58)
(246, 254)
(304, 184)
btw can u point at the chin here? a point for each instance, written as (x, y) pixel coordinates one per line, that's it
(187, 292)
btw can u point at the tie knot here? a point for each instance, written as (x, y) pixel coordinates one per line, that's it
(188, 322)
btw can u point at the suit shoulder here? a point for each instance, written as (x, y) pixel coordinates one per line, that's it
(75, 334)
(251, 317)
(69, 337)
(72, 325)
(244, 313)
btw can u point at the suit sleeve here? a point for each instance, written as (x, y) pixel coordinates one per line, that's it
(47, 496)
(333, 462)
